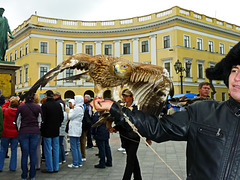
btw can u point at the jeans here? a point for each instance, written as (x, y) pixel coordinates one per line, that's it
(51, 151)
(104, 151)
(61, 149)
(76, 153)
(4, 147)
(28, 144)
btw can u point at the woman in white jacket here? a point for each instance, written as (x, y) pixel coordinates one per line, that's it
(75, 130)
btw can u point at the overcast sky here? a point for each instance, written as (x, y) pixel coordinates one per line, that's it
(18, 11)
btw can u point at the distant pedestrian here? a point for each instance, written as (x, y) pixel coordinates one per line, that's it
(75, 131)
(9, 135)
(52, 119)
(28, 120)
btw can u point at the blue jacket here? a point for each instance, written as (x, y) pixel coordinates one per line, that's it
(100, 132)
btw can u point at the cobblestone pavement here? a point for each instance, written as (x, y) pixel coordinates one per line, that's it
(152, 168)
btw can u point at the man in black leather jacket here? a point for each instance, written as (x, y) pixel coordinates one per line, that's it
(211, 128)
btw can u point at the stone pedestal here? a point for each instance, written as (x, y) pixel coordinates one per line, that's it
(7, 78)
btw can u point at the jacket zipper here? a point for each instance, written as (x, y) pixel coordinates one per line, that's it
(232, 152)
(212, 132)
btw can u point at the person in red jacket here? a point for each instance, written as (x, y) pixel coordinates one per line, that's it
(9, 135)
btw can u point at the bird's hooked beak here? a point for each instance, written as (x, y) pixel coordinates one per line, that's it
(116, 69)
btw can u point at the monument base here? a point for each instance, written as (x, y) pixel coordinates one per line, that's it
(7, 78)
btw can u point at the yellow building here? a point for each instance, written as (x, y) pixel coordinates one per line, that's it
(40, 43)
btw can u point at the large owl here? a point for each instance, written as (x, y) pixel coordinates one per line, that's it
(150, 84)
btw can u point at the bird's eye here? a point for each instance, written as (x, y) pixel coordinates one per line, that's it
(124, 66)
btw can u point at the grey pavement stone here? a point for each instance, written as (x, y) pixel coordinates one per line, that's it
(151, 166)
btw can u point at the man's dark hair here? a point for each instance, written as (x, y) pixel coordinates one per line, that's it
(203, 83)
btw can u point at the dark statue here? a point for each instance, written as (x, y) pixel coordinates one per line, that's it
(5, 32)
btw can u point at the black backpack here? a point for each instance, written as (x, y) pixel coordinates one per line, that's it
(87, 120)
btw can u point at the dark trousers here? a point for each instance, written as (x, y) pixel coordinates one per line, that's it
(89, 138)
(104, 151)
(132, 166)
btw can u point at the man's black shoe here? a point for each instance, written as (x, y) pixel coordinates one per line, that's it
(99, 166)
(46, 171)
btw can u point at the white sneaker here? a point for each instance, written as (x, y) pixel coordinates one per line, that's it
(72, 166)
(124, 152)
(121, 149)
(84, 159)
(60, 163)
(80, 165)
(64, 161)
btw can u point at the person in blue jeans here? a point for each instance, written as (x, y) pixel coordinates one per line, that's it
(75, 130)
(62, 157)
(52, 119)
(9, 135)
(101, 135)
(28, 119)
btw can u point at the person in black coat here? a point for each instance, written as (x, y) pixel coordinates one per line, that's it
(130, 141)
(52, 119)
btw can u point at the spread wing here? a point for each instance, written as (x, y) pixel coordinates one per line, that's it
(151, 86)
(78, 61)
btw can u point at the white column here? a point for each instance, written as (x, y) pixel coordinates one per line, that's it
(117, 48)
(59, 58)
(79, 45)
(153, 49)
(135, 50)
(98, 47)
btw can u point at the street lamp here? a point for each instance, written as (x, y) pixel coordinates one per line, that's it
(178, 68)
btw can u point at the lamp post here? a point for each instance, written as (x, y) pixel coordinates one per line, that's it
(178, 68)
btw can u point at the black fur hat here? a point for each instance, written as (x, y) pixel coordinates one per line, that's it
(222, 69)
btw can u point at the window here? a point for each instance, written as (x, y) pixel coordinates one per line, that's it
(43, 70)
(69, 49)
(223, 96)
(167, 66)
(20, 76)
(212, 95)
(186, 41)
(200, 70)
(144, 46)
(108, 49)
(26, 49)
(10, 57)
(210, 46)
(26, 74)
(43, 47)
(20, 52)
(166, 41)
(69, 73)
(188, 73)
(221, 48)
(6, 58)
(89, 49)
(199, 44)
(15, 55)
(126, 48)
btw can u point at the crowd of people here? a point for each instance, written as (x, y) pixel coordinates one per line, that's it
(43, 127)
(47, 123)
